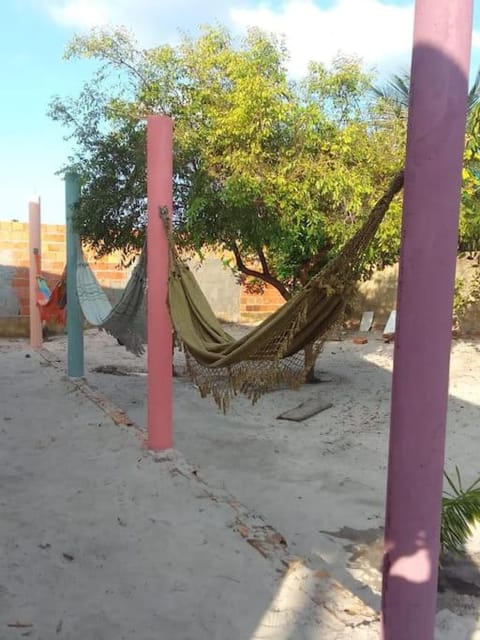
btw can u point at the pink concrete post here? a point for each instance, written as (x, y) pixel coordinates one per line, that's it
(436, 130)
(159, 328)
(34, 250)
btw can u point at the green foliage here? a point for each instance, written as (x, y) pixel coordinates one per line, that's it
(394, 101)
(280, 173)
(460, 513)
(467, 294)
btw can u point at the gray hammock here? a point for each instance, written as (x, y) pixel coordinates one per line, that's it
(126, 320)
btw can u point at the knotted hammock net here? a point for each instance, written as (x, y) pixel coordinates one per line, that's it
(284, 347)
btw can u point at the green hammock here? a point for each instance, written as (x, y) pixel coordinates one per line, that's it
(283, 348)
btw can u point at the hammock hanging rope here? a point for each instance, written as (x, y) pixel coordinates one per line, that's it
(283, 347)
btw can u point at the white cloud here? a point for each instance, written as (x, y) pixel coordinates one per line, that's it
(378, 33)
(152, 21)
(81, 13)
(476, 39)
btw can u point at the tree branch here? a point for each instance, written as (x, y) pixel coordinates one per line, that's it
(252, 273)
(263, 262)
(311, 263)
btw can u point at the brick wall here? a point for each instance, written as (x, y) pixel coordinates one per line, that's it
(229, 300)
(255, 307)
(14, 269)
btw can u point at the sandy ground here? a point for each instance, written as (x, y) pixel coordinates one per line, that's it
(254, 528)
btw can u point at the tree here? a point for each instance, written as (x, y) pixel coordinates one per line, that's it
(277, 172)
(395, 95)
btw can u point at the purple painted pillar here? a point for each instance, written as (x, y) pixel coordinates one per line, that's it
(436, 131)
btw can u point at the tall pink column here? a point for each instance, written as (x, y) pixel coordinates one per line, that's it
(34, 233)
(436, 130)
(159, 328)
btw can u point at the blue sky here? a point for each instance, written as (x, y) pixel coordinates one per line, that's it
(34, 34)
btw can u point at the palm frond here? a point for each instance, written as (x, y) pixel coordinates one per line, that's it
(460, 512)
(396, 90)
(474, 93)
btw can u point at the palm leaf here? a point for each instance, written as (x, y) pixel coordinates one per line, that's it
(474, 93)
(460, 513)
(396, 91)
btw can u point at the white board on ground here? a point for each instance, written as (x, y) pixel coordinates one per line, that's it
(366, 321)
(390, 326)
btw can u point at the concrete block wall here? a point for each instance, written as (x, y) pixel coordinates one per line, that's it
(231, 301)
(220, 287)
(379, 294)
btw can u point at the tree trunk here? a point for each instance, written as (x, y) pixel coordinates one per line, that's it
(310, 378)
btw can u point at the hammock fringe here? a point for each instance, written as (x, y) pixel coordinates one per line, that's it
(284, 347)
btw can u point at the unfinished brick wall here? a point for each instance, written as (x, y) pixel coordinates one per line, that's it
(14, 270)
(255, 307)
(237, 303)
(231, 301)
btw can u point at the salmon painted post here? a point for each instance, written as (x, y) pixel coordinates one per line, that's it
(34, 249)
(159, 327)
(75, 356)
(433, 170)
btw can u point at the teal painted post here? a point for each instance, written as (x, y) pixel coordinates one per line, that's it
(74, 314)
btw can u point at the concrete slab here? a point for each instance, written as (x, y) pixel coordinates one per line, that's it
(389, 329)
(305, 410)
(367, 321)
